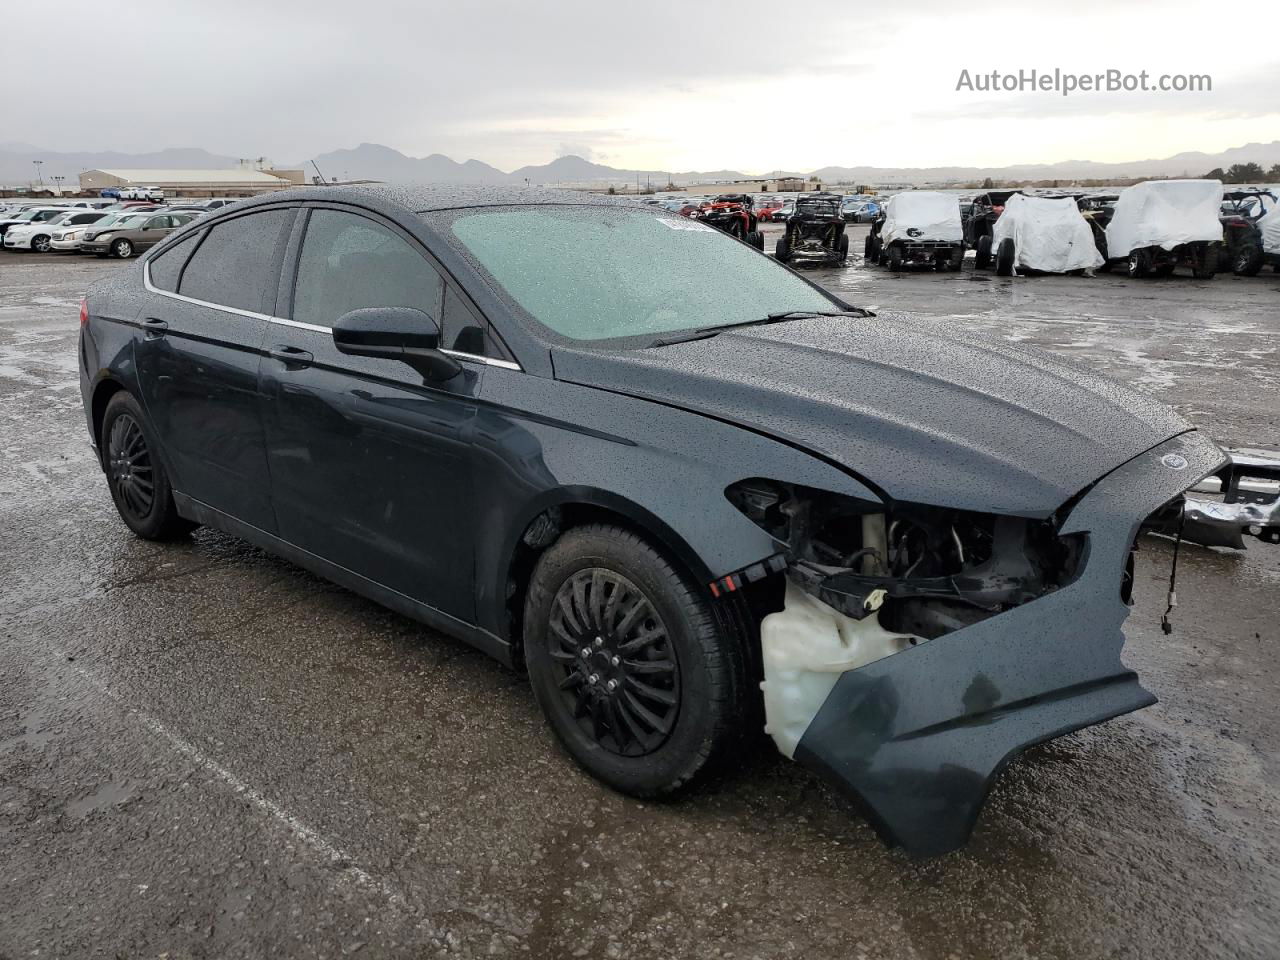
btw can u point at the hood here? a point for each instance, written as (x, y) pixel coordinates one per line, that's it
(923, 412)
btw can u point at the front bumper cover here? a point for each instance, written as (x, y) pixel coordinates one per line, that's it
(918, 738)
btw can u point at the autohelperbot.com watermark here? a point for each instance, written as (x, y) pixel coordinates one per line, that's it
(1066, 82)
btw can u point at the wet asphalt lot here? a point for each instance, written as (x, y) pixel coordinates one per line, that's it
(206, 752)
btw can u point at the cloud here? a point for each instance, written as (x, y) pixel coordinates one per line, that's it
(721, 83)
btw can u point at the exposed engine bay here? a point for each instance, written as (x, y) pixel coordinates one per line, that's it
(864, 582)
(921, 571)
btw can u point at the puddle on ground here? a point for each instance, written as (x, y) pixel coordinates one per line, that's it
(107, 795)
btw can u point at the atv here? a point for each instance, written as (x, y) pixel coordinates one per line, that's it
(1159, 224)
(732, 213)
(815, 232)
(1242, 250)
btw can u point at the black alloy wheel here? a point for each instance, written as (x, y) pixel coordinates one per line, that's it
(136, 475)
(129, 468)
(641, 677)
(619, 675)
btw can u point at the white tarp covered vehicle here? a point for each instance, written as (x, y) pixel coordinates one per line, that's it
(1048, 235)
(1269, 225)
(920, 226)
(1161, 223)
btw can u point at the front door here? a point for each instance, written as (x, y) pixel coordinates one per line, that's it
(370, 465)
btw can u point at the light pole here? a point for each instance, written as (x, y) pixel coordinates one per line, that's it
(57, 179)
(39, 178)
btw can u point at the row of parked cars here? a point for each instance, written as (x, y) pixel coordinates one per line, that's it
(121, 229)
(854, 208)
(1149, 229)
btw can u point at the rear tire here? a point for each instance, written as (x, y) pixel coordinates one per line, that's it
(781, 250)
(1139, 263)
(756, 239)
(982, 252)
(135, 472)
(843, 249)
(868, 248)
(606, 607)
(1204, 261)
(1005, 257)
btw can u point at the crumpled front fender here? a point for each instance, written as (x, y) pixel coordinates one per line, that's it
(918, 738)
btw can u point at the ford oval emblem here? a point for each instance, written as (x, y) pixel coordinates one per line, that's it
(1174, 461)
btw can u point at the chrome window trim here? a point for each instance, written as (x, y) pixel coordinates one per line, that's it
(298, 324)
(487, 361)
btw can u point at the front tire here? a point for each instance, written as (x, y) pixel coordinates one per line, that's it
(1139, 263)
(1247, 261)
(122, 249)
(135, 472)
(781, 250)
(641, 683)
(895, 257)
(40, 244)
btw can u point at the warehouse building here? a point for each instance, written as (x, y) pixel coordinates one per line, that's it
(240, 182)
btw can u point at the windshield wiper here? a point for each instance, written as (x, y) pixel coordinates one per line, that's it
(704, 333)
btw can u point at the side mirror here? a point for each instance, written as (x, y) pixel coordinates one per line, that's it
(395, 333)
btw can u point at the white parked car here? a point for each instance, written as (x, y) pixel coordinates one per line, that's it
(68, 234)
(141, 193)
(30, 215)
(38, 236)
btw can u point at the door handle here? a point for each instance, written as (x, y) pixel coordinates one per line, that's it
(290, 356)
(153, 328)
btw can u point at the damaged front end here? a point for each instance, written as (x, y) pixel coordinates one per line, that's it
(919, 649)
(1242, 499)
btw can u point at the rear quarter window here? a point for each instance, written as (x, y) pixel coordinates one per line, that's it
(167, 266)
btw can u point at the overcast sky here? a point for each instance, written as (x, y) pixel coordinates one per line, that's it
(707, 84)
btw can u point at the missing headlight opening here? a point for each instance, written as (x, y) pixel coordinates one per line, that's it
(863, 583)
(922, 571)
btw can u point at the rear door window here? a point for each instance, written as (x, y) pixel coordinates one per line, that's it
(349, 262)
(237, 265)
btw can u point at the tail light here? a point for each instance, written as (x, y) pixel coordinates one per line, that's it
(84, 312)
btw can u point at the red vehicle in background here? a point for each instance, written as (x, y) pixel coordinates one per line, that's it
(764, 212)
(732, 213)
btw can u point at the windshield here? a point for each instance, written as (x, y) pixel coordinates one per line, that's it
(595, 272)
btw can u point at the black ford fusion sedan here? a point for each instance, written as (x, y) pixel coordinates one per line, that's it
(684, 488)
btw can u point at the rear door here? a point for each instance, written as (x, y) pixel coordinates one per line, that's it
(370, 464)
(204, 325)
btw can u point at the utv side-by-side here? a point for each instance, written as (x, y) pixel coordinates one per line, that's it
(920, 227)
(1158, 225)
(1244, 214)
(815, 232)
(733, 213)
(980, 224)
(1044, 235)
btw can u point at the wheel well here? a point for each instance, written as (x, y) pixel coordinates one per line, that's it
(544, 530)
(102, 395)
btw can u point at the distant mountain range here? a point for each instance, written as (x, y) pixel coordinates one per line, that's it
(371, 161)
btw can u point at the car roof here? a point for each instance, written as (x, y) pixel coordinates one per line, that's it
(423, 198)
